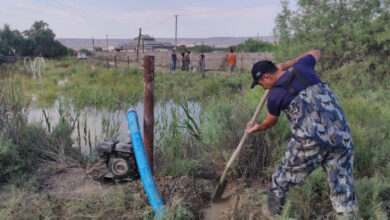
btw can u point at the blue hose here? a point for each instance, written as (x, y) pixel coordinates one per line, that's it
(143, 165)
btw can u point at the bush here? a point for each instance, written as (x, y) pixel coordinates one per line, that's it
(11, 163)
(203, 48)
(251, 45)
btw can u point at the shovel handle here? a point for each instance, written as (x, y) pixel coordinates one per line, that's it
(238, 149)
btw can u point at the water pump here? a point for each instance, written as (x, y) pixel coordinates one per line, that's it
(120, 160)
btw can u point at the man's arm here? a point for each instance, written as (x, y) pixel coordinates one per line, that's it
(286, 65)
(268, 122)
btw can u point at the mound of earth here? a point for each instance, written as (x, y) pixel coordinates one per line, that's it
(196, 193)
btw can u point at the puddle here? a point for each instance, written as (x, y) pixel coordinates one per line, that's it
(95, 124)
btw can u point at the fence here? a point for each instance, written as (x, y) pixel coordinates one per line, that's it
(213, 60)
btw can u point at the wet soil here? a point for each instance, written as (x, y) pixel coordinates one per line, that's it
(196, 193)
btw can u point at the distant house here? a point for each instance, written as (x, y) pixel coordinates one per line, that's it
(147, 43)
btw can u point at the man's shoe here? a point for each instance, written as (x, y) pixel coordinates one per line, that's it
(266, 212)
(274, 204)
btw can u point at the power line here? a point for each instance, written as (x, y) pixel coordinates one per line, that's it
(88, 14)
(221, 10)
(158, 23)
(73, 11)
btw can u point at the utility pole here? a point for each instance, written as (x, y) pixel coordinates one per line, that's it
(139, 38)
(176, 30)
(93, 45)
(108, 65)
(107, 41)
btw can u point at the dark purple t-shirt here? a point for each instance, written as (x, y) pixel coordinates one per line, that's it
(279, 98)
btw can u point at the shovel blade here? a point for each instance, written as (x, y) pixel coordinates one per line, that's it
(219, 191)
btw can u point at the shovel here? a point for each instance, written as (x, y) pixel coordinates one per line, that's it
(222, 182)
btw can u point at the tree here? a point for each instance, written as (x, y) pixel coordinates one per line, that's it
(343, 30)
(11, 42)
(98, 49)
(89, 53)
(282, 30)
(251, 45)
(41, 40)
(38, 39)
(203, 48)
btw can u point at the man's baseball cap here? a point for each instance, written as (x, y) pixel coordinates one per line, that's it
(259, 69)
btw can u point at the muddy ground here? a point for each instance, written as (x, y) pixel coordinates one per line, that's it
(243, 196)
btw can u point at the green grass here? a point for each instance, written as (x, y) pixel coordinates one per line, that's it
(91, 84)
(191, 143)
(119, 203)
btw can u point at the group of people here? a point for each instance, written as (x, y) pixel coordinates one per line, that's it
(186, 61)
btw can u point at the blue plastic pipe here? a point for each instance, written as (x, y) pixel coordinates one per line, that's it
(143, 165)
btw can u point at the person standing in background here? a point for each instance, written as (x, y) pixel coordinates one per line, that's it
(201, 62)
(183, 62)
(231, 61)
(173, 60)
(187, 60)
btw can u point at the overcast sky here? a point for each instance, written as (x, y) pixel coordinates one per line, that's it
(122, 18)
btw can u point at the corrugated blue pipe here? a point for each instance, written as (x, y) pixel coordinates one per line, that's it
(143, 165)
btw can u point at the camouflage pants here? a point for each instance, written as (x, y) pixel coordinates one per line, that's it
(320, 136)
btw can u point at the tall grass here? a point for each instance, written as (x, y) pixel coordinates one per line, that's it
(189, 143)
(24, 146)
(178, 141)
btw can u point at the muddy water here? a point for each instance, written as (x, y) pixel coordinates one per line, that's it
(223, 209)
(94, 124)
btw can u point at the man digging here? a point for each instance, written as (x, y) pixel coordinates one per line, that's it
(320, 132)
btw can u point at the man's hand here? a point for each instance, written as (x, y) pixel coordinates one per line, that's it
(286, 65)
(250, 124)
(282, 66)
(251, 127)
(268, 122)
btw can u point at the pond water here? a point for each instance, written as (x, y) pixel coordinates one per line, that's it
(94, 125)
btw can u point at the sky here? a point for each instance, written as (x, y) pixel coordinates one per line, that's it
(123, 18)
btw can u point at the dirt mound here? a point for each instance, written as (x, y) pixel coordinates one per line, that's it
(69, 180)
(74, 181)
(194, 192)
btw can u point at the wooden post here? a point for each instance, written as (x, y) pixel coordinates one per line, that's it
(128, 62)
(139, 38)
(108, 65)
(241, 58)
(149, 107)
(116, 65)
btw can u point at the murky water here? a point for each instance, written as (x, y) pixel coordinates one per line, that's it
(94, 125)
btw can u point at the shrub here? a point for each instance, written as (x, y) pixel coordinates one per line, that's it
(251, 45)
(11, 163)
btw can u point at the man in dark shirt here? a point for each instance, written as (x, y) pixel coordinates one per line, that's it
(320, 131)
(183, 61)
(173, 61)
(201, 63)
